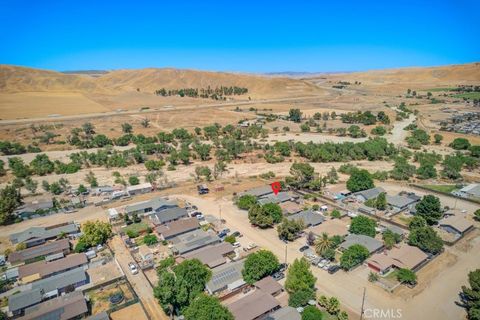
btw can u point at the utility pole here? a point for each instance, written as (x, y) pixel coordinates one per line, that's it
(363, 303)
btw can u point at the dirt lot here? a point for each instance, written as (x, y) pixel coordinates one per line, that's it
(135, 311)
(100, 297)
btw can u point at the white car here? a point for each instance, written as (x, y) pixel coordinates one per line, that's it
(237, 245)
(133, 268)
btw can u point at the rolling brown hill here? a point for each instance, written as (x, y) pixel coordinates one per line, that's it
(431, 76)
(21, 79)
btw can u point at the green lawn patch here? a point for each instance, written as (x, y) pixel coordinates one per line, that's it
(447, 188)
(468, 95)
(140, 227)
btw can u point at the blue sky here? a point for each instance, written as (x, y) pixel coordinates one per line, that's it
(246, 36)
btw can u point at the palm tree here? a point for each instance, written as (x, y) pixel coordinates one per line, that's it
(322, 244)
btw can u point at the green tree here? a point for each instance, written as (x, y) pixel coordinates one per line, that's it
(301, 297)
(460, 144)
(476, 215)
(246, 201)
(150, 239)
(322, 244)
(203, 171)
(133, 180)
(203, 151)
(437, 138)
(426, 171)
(31, 185)
(127, 128)
(177, 290)
(430, 209)
(390, 238)
(312, 313)
(360, 180)
(381, 201)
(91, 179)
(289, 229)
(18, 167)
(41, 165)
(303, 174)
(258, 217)
(426, 239)
(96, 232)
(333, 306)
(471, 295)
(363, 225)
(295, 115)
(335, 214)
(353, 256)
(230, 239)
(274, 211)
(299, 276)
(406, 276)
(10, 199)
(259, 265)
(205, 307)
(417, 222)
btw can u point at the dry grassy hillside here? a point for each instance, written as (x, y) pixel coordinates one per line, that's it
(432, 76)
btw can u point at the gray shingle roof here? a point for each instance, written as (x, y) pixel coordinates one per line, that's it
(61, 308)
(169, 214)
(370, 243)
(224, 275)
(285, 313)
(370, 193)
(43, 232)
(309, 217)
(278, 198)
(154, 203)
(194, 240)
(259, 191)
(42, 250)
(59, 281)
(400, 201)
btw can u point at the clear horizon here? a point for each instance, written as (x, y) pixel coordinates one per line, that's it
(250, 37)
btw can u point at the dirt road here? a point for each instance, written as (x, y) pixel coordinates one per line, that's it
(139, 282)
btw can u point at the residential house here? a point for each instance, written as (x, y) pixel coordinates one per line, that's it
(309, 218)
(226, 277)
(34, 207)
(290, 207)
(35, 236)
(278, 198)
(213, 255)
(99, 316)
(394, 229)
(44, 269)
(269, 285)
(259, 191)
(154, 205)
(139, 189)
(256, 305)
(402, 257)
(458, 225)
(285, 313)
(472, 191)
(373, 245)
(168, 215)
(59, 246)
(193, 240)
(103, 190)
(69, 306)
(368, 194)
(178, 227)
(45, 289)
(400, 202)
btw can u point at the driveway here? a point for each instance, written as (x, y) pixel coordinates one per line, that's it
(139, 282)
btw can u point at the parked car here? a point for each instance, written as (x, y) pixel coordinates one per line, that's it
(303, 248)
(283, 267)
(222, 234)
(278, 275)
(133, 268)
(196, 213)
(202, 189)
(237, 245)
(333, 268)
(237, 234)
(200, 217)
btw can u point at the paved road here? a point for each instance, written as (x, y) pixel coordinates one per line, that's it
(139, 282)
(155, 110)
